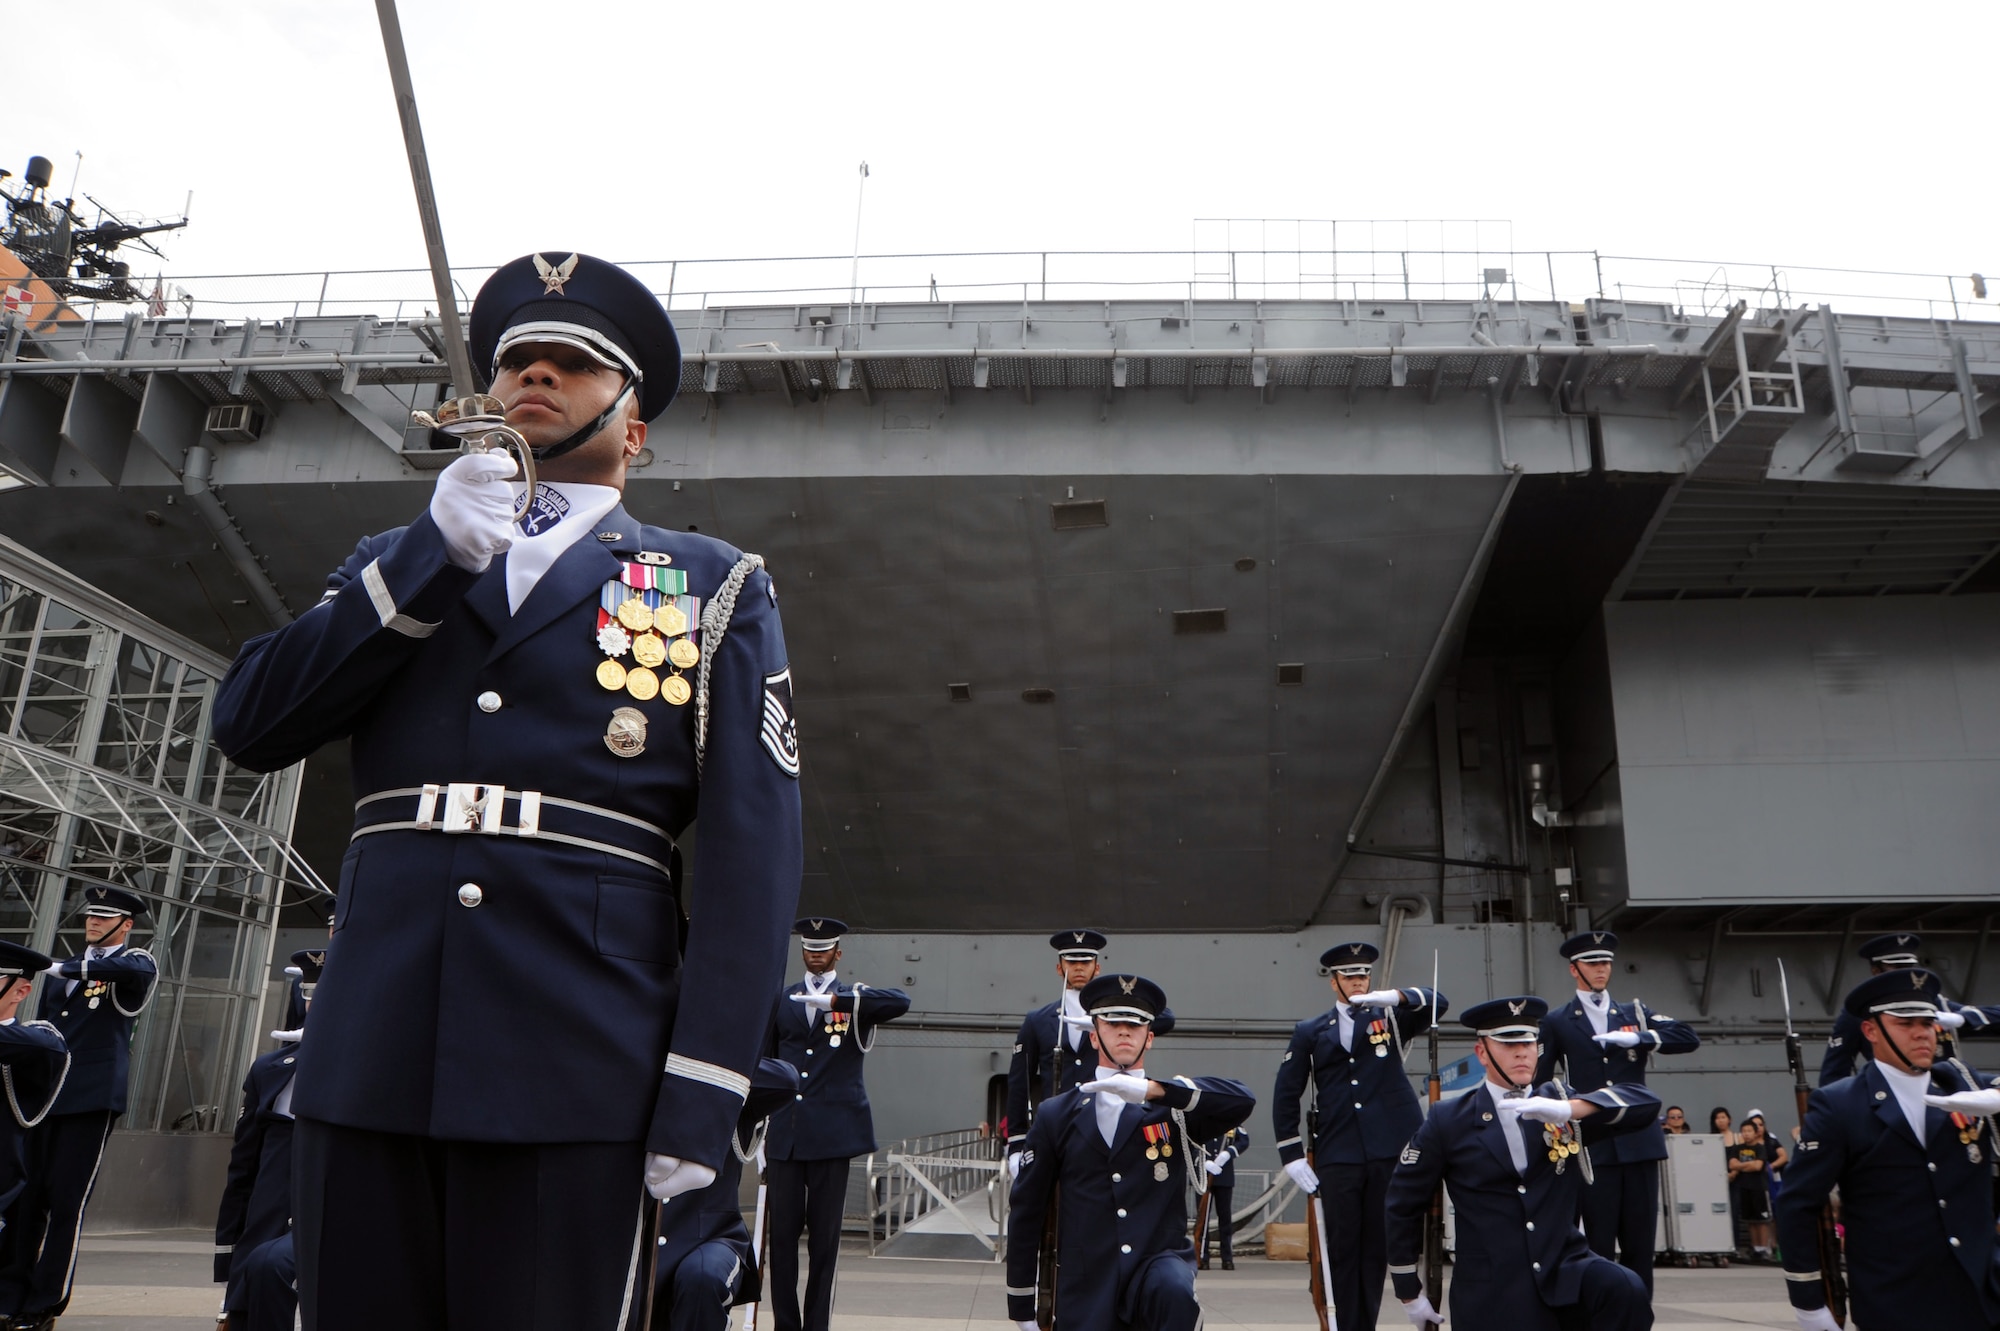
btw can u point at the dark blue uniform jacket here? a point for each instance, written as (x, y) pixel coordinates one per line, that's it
(96, 1021)
(1044, 1065)
(1366, 1107)
(257, 1198)
(714, 1214)
(33, 1062)
(1520, 1252)
(1566, 1041)
(1115, 1211)
(1918, 1217)
(1235, 1141)
(1847, 1045)
(828, 1119)
(421, 1025)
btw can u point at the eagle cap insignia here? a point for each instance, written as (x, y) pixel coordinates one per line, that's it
(316, 958)
(818, 925)
(1128, 983)
(1354, 948)
(1597, 939)
(1514, 1009)
(1916, 979)
(1078, 935)
(554, 275)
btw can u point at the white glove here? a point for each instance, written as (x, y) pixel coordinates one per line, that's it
(1132, 1090)
(1076, 1023)
(669, 1176)
(1818, 1319)
(1377, 998)
(1950, 1021)
(1623, 1039)
(473, 507)
(1026, 1326)
(1013, 1166)
(1214, 1168)
(1540, 1109)
(1967, 1102)
(1301, 1172)
(1225, 1155)
(1421, 1314)
(823, 1002)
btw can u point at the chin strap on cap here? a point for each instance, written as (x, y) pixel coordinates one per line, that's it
(590, 431)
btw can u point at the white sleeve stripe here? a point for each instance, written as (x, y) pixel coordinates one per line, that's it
(1027, 1293)
(709, 1074)
(1803, 1276)
(1290, 1141)
(1402, 1270)
(385, 605)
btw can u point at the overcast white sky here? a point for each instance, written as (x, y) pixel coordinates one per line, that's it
(1839, 134)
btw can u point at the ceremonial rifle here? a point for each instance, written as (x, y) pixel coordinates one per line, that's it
(1201, 1231)
(1832, 1280)
(647, 1272)
(1322, 1269)
(1046, 1264)
(1434, 1224)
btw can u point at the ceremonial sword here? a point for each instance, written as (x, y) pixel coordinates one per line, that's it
(1434, 1223)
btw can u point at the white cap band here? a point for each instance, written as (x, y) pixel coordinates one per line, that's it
(570, 335)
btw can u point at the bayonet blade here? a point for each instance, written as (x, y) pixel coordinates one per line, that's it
(1785, 993)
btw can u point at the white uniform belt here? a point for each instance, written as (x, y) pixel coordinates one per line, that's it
(472, 808)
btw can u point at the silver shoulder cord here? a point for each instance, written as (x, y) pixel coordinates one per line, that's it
(14, 1103)
(1992, 1129)
(715, 617)
(865, 1041)
(1197, 1152)
(749, 1157)
(151, 989)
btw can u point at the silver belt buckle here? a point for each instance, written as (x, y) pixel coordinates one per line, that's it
(473, 808)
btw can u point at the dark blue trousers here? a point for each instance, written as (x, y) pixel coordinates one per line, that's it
(1162, 1298)
(401, 1233)
(701, 1293)
(266, 1297)
(1356, 1201)
(1620, 1211)
(38, 1251)
(809, 1196)
(1609, 1299)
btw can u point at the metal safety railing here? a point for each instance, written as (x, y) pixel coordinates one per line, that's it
(1479, 271)
(959, 1175)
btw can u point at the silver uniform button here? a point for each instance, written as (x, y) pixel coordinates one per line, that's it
(798, 1097)
(1117, 1178)
(1531, 1225)
(1126, 1247)
(1954, 1242)
(1932, 1167)
(1538, 1266)
(1121, 1213)
(489, 701)
(470, 895)
(1521, 1188)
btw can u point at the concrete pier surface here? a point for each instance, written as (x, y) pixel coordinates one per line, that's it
(160, 1282)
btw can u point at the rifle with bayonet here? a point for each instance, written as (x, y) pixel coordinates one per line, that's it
(1434, 1223)
(1322, 1267)
(1832, 1279)
(1046, 1264)
(1201, 1231)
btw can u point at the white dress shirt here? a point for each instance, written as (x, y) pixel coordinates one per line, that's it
(1517, 1149)
(818, 984)
(532, 556)
(1910, 1089)
(92, 954)
(1109, 1107)
(1346, 1013)
(1597, 1007)
(1072, 1006)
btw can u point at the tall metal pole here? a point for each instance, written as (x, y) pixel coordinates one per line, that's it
(854, 273)
(456, 354)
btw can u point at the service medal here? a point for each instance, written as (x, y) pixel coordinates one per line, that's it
(1167, 1149)
(670, 619)
(1555, 1156)
(611, 675)
(634, 615)
(676, 690)
(648, 650)
(1152, 1152)
(684, 654)
(642, 683)
(1160, 1172)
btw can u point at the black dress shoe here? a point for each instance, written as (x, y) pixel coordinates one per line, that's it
(1228, 1265)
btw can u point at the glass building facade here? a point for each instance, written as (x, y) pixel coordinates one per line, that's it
(108, 776)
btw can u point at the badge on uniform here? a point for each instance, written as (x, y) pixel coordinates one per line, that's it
(94, 990)
(626, 735)
(545, 510)
(1562, 1143)
(1378, 1035)
(779, 731)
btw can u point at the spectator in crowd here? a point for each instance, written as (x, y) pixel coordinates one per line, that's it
(1677, 1121)
(1751, 1159)
(1718, 1123)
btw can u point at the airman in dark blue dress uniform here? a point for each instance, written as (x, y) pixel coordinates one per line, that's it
(824, 1029)
(1108, 1163)
(1910, 1143)
(1223, 1153)
(1351, 1058)
(1513, 1161)
(514, 1030)
(707, 1260)
(1591, 1042)
(1887, 953)
(253, 1225)
(35, 1060)
(1051, 1054)
(94, 1000)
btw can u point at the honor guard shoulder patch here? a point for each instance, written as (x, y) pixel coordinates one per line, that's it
(1411, 1155)
(779, 731)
